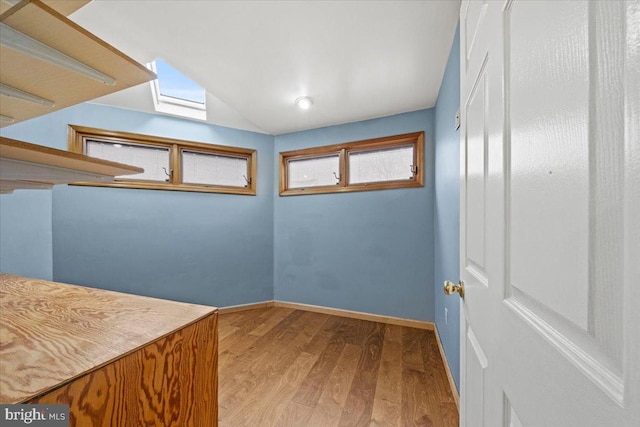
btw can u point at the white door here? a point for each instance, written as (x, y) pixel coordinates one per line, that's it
(550, 213)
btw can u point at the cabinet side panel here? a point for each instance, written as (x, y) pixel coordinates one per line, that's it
(170, 382)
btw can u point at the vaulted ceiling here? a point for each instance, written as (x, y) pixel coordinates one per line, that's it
(356, 59)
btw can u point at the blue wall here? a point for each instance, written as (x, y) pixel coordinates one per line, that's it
(25, 227)
(26, 246)
(366, 251)
(214, 249)
(447, 207)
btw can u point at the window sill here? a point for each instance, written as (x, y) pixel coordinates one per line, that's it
(171, 187)
(351, 188)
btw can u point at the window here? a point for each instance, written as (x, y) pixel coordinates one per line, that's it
(375, 164)
(169, 164)
(176, 86)
(176, 94)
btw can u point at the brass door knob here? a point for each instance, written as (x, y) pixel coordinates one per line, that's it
(450, 288)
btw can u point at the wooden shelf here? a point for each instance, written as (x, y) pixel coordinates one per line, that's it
(117, 359)
(24, 166)
(65, 7)
(60, 85)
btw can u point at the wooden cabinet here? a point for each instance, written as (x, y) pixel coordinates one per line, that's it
(116, 359)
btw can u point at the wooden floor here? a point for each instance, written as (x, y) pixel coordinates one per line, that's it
(285, 367)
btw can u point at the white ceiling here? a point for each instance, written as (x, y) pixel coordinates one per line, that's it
(356, 59)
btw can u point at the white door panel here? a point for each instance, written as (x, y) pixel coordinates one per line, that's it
(550, 229)
(471, 17)
(549, 170)
(475, 371)
(475, 176)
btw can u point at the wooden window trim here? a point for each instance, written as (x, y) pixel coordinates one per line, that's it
(78, 134)
(343, 149)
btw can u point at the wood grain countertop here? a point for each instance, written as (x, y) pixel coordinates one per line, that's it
(52, 333)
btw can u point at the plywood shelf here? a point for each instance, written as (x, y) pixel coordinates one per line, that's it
(52, 82)
(24, 165)
(65, 7)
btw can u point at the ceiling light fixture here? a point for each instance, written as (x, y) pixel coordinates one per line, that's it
(13, 92)
(304, 102)
(14, 39)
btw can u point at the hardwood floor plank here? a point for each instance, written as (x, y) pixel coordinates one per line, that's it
(394, 333)
(334, 396)
(272, 321)
(359, 405)
(339, 384)
(311, 388)
(338, 325)
(386, 413)
(412, 349)
(269, 407)
(388, 396)
(390, 374)
(295, 415)
(228, 331)
(237, 341)
(414, 411)
(230, 318)
(312, 325)
(433, 401)
(237, 319)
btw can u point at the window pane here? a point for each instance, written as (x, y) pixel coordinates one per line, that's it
(380, 165)
(212, 169)
(314, 172)
(174, 84)
(151, 159)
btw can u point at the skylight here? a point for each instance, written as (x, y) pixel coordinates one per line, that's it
(176, 85)
(176, 94)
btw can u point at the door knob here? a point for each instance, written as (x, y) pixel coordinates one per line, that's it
(450, 288)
